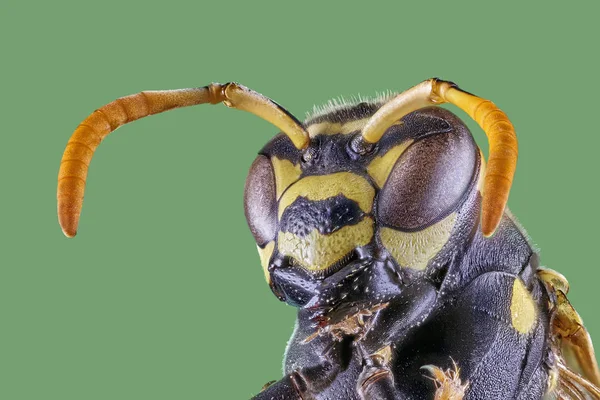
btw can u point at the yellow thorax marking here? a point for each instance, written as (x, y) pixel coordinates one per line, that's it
(286, 173)
(522, 308)
(321, 187)
(317, 252)
(416, 249)
(265, 255)
(379, 169)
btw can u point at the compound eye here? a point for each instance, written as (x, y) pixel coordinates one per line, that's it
(428, 182)
(260, 204)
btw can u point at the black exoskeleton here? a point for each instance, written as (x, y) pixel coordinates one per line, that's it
(396, 283)
(380, 221)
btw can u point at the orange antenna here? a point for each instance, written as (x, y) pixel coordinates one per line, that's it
(500, 132)
(88, 135)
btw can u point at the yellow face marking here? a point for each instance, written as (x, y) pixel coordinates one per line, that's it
(317, 252)
(265, 255)
(416, 249)
(286, 173)
(522, 308)
(379, 169)
(321, 187)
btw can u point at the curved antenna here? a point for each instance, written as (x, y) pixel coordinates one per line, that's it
(503, 150)
(88, 135)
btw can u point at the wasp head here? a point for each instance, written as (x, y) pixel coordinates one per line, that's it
(335, 209)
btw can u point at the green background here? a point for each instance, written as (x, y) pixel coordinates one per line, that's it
(161, 295)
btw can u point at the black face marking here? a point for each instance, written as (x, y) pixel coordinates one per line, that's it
(330, 155)
(327, 216)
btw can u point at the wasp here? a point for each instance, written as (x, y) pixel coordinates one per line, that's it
(382, 223)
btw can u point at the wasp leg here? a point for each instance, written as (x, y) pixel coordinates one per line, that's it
(568, 327)
(286, 388)
(580, 344)
(376, 380)
(569, 381)
(303, 384)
